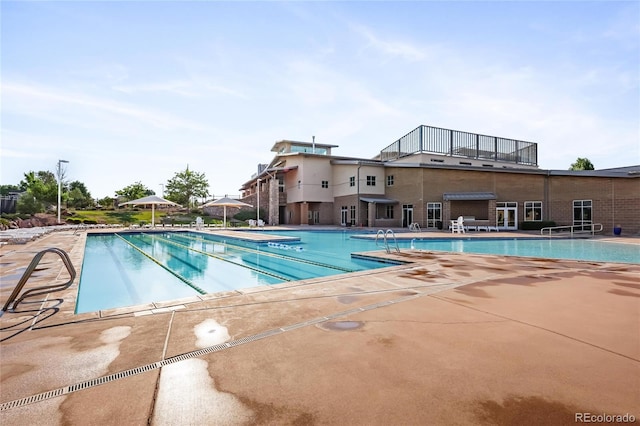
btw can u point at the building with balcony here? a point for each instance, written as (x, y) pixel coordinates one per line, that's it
(431, 176)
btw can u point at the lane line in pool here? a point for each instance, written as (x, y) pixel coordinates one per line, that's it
(270, 254)
(167, 240)
(157, 262)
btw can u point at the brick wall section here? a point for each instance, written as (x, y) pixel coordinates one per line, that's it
(615, 200)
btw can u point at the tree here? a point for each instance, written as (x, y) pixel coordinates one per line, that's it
(28, 204)
(134, 191)
(42, 187)
(6, 189)
(187, 185)
(79, 196)
(582, 164)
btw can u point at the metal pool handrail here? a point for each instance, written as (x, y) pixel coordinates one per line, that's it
(42, 289)
(572, 228)
(386, 241)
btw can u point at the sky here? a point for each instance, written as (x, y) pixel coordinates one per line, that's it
(138, 91)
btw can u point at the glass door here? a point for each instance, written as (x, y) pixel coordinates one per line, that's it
(407, 215)
(434, 215)
(507, 215)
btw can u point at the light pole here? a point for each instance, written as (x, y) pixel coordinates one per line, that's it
(258, 193)
(60, 184)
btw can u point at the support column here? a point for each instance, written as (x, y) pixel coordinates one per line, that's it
(371, 217)
(274, 205)
(304, 213)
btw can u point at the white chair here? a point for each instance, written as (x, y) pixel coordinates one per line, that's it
(457, 226)
(199, 222)
(260, 223)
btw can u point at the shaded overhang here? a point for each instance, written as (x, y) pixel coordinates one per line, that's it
(468, 196)
(378, 200)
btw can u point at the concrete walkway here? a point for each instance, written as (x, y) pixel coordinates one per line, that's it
(445, 339)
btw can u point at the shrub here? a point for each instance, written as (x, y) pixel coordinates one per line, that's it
(536, 225)
(90, 222)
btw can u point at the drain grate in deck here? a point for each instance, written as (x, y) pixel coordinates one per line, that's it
(193, 354)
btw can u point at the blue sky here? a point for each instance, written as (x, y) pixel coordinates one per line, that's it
(136, 91)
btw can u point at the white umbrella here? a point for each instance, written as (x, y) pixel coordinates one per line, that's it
(153, 200)
(226, 202)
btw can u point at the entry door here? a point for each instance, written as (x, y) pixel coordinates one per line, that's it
(507, 215)
(434, 214)
(314, 217)
(407, 215)
(344, 216)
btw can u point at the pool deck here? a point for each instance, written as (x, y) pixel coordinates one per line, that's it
(444, 339)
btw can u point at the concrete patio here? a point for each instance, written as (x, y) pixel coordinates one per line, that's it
(444, 339)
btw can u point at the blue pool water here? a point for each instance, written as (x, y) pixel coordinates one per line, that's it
(137, 268)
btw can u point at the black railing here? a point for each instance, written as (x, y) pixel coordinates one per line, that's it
(462, 144)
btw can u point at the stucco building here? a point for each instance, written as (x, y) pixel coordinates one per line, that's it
(431, 176)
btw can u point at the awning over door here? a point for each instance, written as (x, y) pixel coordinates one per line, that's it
(468, 196)
(378, 200)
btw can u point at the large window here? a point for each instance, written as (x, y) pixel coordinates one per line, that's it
(352, 181)
(582, 213)
(533, 210)
(371, 181)
(353, 215)
(390, 180)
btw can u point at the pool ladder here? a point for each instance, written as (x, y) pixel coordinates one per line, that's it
(386, 235)
(42, 289)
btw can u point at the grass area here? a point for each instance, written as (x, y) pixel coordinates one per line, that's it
(136, 216)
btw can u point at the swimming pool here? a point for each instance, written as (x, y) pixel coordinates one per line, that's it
(127, 269)
(137, 268)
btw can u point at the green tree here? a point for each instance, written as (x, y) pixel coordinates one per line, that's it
(134, 191)
(42, 186)
(582, 164)
(79, 196)
(187, 185)
(28, 204)
(6, 189)
(106, 202)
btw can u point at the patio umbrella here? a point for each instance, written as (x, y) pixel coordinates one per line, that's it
(226, 202)
(153, 200)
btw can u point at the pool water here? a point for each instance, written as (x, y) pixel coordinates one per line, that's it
(137, 268)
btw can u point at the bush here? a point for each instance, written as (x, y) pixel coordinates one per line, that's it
(90, 222)
(73, 220)
(245, 215)
(536, 225)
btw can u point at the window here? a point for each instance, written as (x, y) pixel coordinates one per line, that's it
(533, 210)
(352, 181)
(325, 184)
(353, 214)
(299, 182)
(389, 211)
(280, 185)
(390, 180)
(371, 181)
(582, 213)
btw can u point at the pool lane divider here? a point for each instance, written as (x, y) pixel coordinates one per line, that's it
(169, 241)
(276, 255)
(157, 262)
